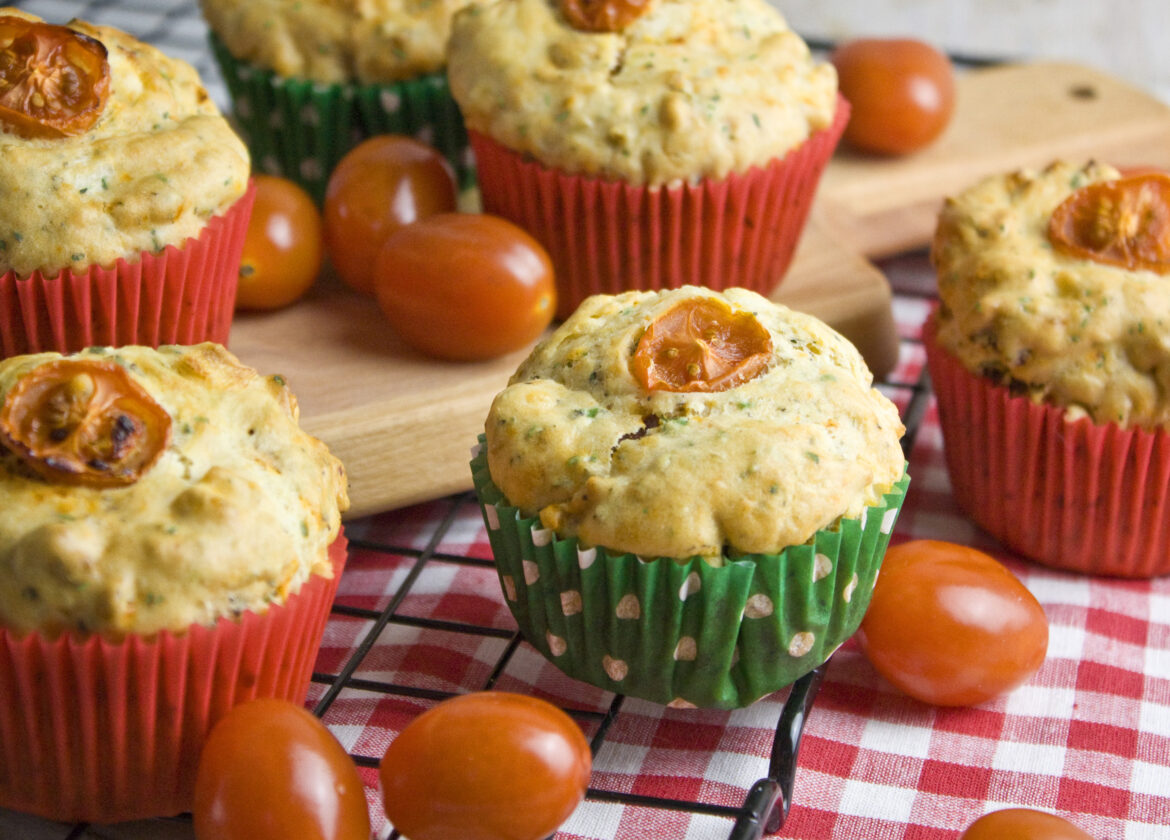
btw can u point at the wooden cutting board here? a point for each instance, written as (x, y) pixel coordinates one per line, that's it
(404, 424)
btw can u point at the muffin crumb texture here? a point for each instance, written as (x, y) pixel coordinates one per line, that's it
(235, 515)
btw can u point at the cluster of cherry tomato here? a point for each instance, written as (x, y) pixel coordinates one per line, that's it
(454, 285)
(482, 766)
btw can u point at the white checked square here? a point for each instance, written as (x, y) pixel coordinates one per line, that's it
(616, 757)
(1061, 589)
(1157, 663)
(705, 827)
(1031, 700)
(735, 770)
(1040, 759)
(888, 737)
(1155, 719)
(882, 802)
(594, 819)
(1153, 779)
(1064, 641)
(1159, 609)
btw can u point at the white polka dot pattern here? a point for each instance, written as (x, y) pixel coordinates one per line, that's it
(531, 572)
(822, 567)
(556, 645)
(847, 594)
(687, 650)
(509, 587)
(615, 668)
(629, 607)
(690, 586)
(759, 606)
(571, 602)
(585, 557)
(801, 644)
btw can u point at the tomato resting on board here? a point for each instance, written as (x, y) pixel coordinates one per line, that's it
(380, 185)
(902, 93)
(951, 626)
(1124, 223)
(271, 770)
(465, 286)
(701, 345)
(485, 766)
(54, 82)
(1022, 824)
(283, 248)
(84, 422)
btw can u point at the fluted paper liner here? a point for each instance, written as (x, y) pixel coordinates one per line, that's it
(180, 295)
(685, 634)
(606, 236)
(1075, 495)
(106, 731)
(301, 129)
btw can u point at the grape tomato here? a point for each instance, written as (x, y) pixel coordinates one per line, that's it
(283, 247)
(1022, 824)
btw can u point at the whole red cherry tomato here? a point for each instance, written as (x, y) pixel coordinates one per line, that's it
(1022, 824)
(951, 626)
(271, 770)
(902, 93)
(380, 185)
(465, 286)
(283, 248)
(485, 766)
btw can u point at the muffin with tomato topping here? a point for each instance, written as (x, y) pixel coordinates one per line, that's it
(124, 194)
(1050, 355)
(310, 79)
(689, 493)
(170, 542)
(647, 145)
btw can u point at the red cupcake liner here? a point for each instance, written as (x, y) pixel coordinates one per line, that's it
(1074, 495)
(104, 731)
(606, 236)
(181, 295)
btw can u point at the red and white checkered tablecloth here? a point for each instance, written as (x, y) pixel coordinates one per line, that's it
(1088, 737)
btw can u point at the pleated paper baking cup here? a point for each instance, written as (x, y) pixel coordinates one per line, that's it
(685, 634)
(106, 731)
(1071, 494)
(606, 236)
(180, 295)
(300, 129)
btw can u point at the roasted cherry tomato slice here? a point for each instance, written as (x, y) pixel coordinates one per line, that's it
(54, 82)
(603, 15)
(485, 766)
(902, 93)
(701, 345)
(1124, 222)
(272, 769)
(951, 626)
(1022, 824)
(283, 248)
(84, 421)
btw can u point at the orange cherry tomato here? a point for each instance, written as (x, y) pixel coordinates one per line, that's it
(902, 93)
(283, 248)
(54, 82)
(84, 422)
(382, 184)
(701, 345)
(271, 770)
(465, 286)
(485, 766)
(603, 15)
(1022, 824)
(1124, 222)
(951, 626)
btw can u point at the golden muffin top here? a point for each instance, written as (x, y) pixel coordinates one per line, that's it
(689, 422)
(689, 89)
(1043, 316)
(334, 41)
(158, 163)
(149, 490)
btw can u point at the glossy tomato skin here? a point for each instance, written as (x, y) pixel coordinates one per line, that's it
(902, 93)
(951, 626)
(465, 286)
(283, 248)
(488, 765)
(271, 770)
(382, 184)
(1022, 824)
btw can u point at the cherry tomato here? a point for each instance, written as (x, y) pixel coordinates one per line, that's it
(271, 770)
(1124, 222)
(951, 626)
(701, 345)
(902, 93)
(485, 766)
(1022, 824)
(382, 184)
(465, 286)
(84, 422)
(283, 248)
(603, 15)
(54, 82)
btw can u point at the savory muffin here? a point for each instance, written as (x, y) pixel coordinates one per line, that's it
(1049, 355)
(170, 541)
(717, 442)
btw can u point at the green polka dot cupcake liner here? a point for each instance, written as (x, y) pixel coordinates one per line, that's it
(300, 129)
(685, 633)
